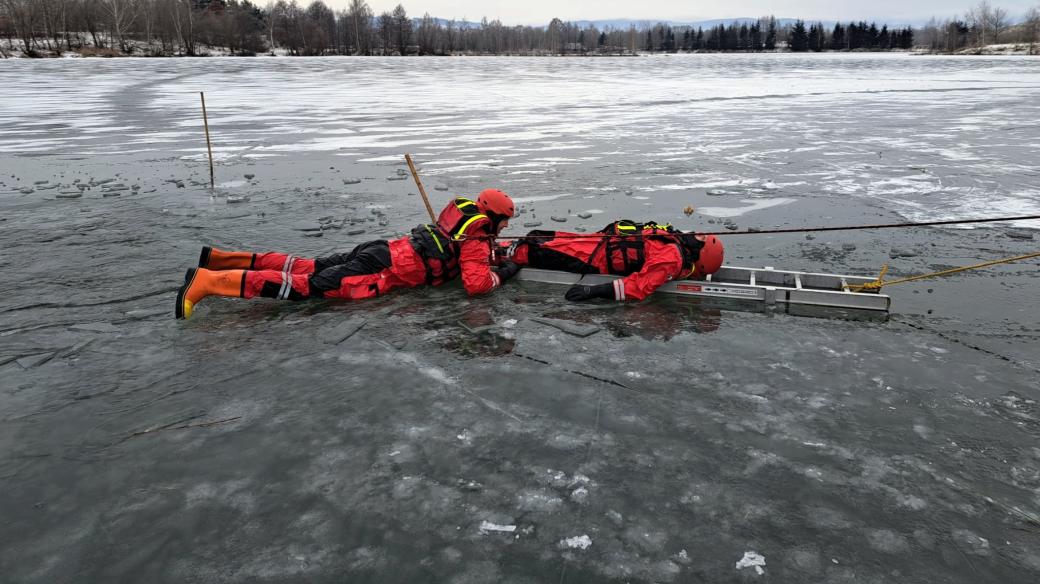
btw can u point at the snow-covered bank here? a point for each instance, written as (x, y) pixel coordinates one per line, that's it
(109, 49)
(1004, 49)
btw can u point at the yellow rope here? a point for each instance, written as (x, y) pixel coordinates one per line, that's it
(880, 282)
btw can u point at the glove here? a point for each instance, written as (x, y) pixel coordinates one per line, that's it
(501, 249)
(507, 270)
(579, 293)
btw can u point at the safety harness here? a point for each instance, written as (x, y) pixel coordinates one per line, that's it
(439, 245)
(625, 245)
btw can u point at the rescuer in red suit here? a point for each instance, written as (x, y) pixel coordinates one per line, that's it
(459, 243)
(647, 255)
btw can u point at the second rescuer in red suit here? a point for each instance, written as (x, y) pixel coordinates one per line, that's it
(647, 255)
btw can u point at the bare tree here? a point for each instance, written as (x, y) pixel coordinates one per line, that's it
(6, 30)
(273, 11)
(184, 24)
(998, 22)
(121, 16)
(555, 34)
(451, 36)
(978, 19)
(930, 36)
(147, 21)
(89, 14)
(23, 15)
(54, 15)
(1033, 29)
(360, 16)
(386, 31)
(319, 28)
(402, 29)
(425, 35)
(987, 23)
(293, 35)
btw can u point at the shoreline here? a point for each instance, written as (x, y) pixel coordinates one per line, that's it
(975, 52)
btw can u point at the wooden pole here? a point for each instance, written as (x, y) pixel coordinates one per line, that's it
(209, 147)
(418, 183)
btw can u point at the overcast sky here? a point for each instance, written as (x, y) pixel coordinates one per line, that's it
(541, 11)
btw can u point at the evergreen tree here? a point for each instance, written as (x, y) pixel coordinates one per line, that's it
(771, 34)
(857, 35)
(799, 38)
(838, 38)
(755, 37)
(818, 38)
(908, 39)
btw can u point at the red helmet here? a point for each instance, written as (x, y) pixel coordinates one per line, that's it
(495, 202)
(711, 255)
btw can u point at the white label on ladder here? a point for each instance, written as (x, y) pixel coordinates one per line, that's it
(720, 290)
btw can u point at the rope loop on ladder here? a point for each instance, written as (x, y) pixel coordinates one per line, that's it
(880, 282)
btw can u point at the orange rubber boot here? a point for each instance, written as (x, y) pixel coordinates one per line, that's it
(200, 283)
(212, 258)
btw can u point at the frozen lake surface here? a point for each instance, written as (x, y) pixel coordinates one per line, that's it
(457, 440)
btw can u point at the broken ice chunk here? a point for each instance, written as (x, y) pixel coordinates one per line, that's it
(488, 527)
(752, 560)
(580, 495)
(580, 542)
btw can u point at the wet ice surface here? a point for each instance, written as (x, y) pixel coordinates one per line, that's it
(427, 437)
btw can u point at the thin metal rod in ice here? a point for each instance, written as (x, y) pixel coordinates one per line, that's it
(209, 147)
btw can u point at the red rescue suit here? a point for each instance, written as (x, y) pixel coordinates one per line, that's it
(647, 255)
(459, 244)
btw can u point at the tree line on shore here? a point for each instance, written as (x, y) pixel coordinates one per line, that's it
(984, 24)
(242, 27)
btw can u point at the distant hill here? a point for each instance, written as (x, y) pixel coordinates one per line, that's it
(625, 23)
(444, 22)
(706, 24)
